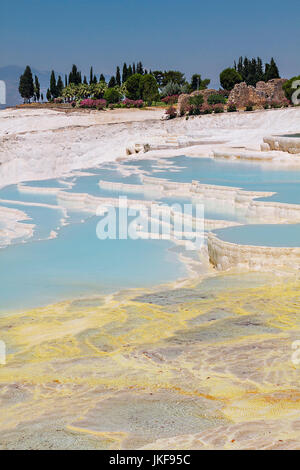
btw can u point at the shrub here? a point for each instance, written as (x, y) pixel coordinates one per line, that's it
(170, 99)
(249, 107)
(232, 108)
(266, 106)
(133, 87)
(170, 89)
(112, 95)
(230, 77)
(171, 112)
(206, 109)
(216, 99)
(218, 109)
(133, 103)
(287, 87)
(149, 88)
(92, 104)
(195, 104)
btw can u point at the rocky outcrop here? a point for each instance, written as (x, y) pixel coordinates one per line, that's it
(183, 100)
(264, 92)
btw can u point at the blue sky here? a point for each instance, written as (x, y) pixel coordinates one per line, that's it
(190, 35)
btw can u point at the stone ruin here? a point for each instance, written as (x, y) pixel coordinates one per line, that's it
(264, 92)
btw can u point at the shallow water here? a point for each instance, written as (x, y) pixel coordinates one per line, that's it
(78, 264)
(262, 235)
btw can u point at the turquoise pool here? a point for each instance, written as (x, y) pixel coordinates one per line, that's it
(78, 264)
(265, 235)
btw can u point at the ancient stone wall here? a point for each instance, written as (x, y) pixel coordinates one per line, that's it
(264, 92)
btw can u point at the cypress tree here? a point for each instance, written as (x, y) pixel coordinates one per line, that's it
(139, 68)
(259, 70)
(75, 76)
(91, 76)
(48, 95)
(53, 87)
(59, 86)
(102, 78)
(66, 80)
(112, 82)
(133, 68)
(271, 71)
(129, 71)
(37, 89)
(42, 97)
(85, 80)
(26, 87)
(124, 73)
(118, 77)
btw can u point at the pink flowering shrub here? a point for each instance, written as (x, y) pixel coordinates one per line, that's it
(172, 99)
(93, 104)
(133, 103)
(206, 109)
(171, 112)
(218, 108)
(280, 104)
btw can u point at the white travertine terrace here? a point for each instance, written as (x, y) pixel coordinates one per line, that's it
(283, 143)
(225, 255)
(13, 227)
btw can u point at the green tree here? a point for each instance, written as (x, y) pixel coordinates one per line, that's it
(173, 76)
(102, 78)
(129, 71)
(48, 95)
(149, 88)
(26, 87)
(112, 82)
(271, 71)
(230, 77)
(198, 84)
(118, 76)
(171, 88)
(139, 68)
(124, 73)
(75, 76)
(91, 76)
(159, 77)
(53, 87)
(37, 89)
(85, 80)
(59, 86)
(112, 95)
(133, 87)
